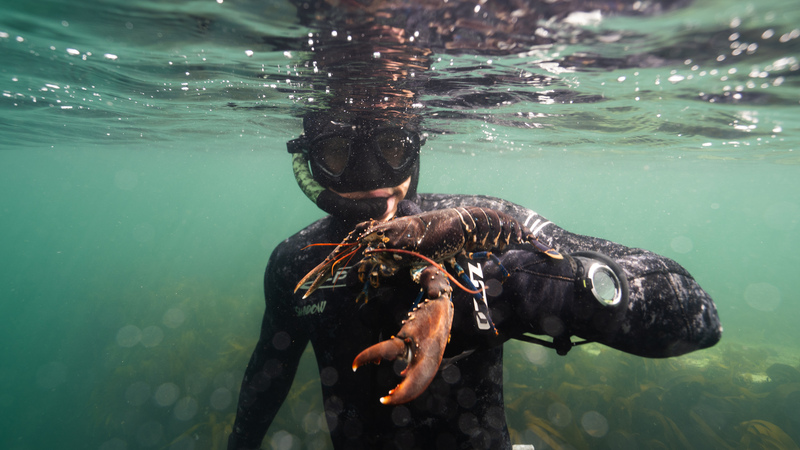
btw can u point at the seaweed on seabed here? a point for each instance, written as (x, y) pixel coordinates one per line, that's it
(782, 405)
(779, 373)
(762, 434)
(201, 361)
(730, 396)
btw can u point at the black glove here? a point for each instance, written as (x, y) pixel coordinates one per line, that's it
(663, 313)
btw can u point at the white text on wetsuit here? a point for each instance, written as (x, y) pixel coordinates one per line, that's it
(476, 276)
(316, 308)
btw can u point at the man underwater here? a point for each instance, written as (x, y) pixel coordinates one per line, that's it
(359, 159)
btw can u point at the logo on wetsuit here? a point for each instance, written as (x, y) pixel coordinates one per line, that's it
(319, 307)
(314, 308)
(475, 274)
(481, 313)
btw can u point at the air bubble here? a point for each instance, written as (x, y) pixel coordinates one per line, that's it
(536, 354)
(681, 244)
(173, 318)
(221, 399)
(762, 296)
(559, 414)
(676, 79)
(152, 336)
(282, 440)
(128, 336)
(328, 376)
(595, 424)
(166, 394)
(185, 409)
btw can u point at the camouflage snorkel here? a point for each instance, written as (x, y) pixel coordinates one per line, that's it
(329, 201)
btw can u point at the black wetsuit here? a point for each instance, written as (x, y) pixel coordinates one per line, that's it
(668, 314)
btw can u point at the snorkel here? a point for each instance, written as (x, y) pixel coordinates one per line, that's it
(331, 202)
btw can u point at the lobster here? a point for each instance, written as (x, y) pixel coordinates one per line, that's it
(421, 242)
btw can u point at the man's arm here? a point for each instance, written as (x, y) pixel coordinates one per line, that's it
(272, 367)
(666, 314)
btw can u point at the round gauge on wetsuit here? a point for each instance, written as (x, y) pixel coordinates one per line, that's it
(600, 277)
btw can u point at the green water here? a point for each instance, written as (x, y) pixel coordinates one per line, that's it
(144, 182)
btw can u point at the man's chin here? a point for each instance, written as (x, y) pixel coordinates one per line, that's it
(391, 208)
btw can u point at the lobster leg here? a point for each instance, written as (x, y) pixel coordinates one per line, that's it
(421, 340)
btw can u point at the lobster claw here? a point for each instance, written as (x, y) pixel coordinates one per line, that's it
(421, 340)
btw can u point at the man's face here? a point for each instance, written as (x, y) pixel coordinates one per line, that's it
(393, 196)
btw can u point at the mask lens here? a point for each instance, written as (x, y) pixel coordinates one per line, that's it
(397, 148)
(331, 154)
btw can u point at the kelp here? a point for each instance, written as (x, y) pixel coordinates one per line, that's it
(214, 426)
(760, 434)
(730, 396)
(545, 431)
(783, 373)
(203, 356)
(708, 434)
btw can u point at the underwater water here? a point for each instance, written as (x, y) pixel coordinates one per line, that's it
(144, 181)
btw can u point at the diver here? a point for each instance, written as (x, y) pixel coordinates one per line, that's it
(357, 159)
(629, 299)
